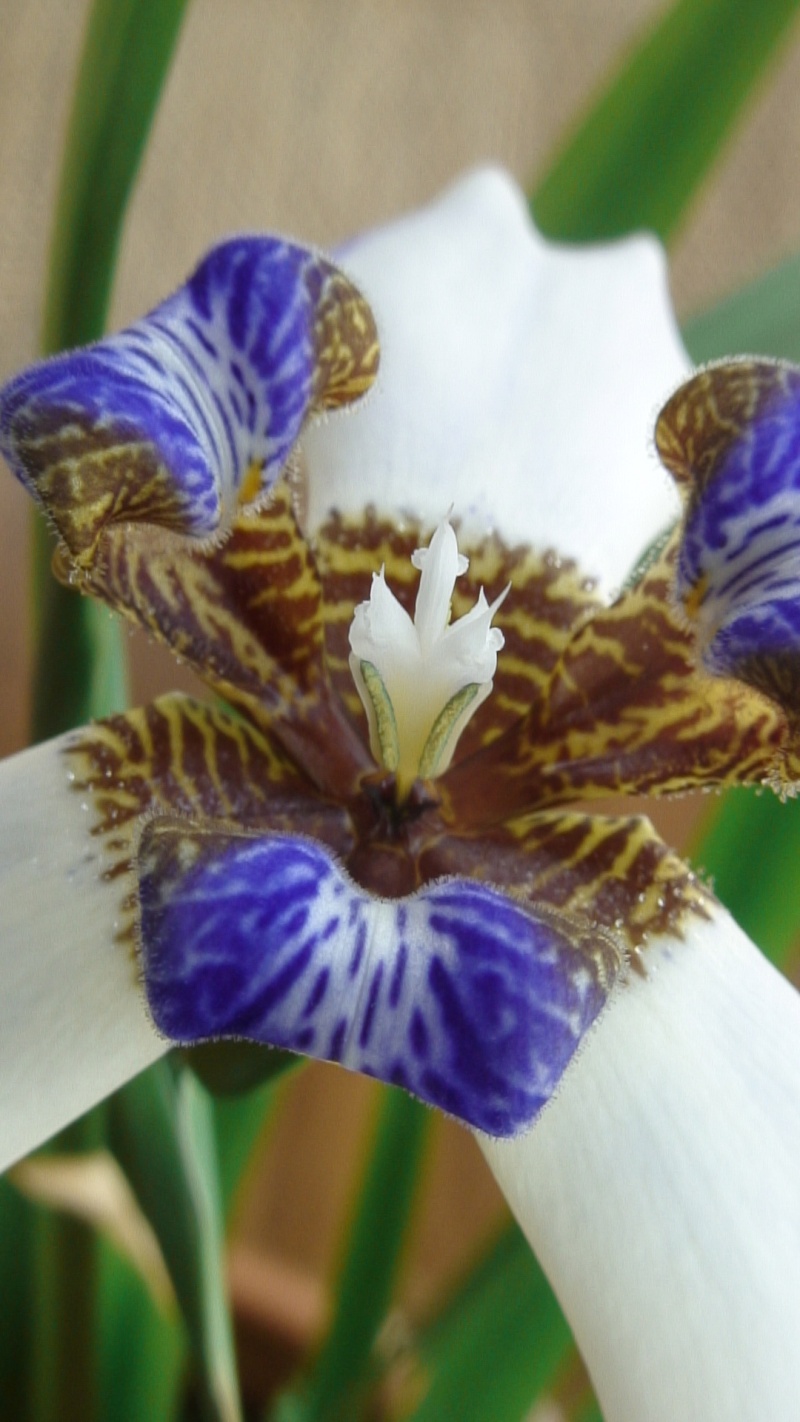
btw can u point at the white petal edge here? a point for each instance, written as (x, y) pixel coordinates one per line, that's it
(661, 1189)
(519, 381)
(73, 1025)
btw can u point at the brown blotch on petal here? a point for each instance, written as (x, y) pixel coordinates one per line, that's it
(706, 416)
(345, 341)
(88, 476)
(611, 872)
(181, 757)
(628, 710)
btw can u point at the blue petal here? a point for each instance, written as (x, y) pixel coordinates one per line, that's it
(733, 436)
(457, 992)
(179, 417)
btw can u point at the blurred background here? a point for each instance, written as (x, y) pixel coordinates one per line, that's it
(317, 118)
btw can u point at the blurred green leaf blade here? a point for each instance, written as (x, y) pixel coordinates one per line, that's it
(142, 1352)
(161, 1128)
(343, 1369)
(761, 319)
(17, 1242)
(644, 146)
(499, 1343)
(126, 56)
(750, 850)
(80, 665)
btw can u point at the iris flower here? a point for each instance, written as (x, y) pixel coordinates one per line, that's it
(430, 654)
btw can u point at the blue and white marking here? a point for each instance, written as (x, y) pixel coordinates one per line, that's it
(217, 379)
(739, 565)
(456, 993)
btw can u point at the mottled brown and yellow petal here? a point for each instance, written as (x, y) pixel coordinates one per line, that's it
(628, 710)
(612, 873)
(179, 757)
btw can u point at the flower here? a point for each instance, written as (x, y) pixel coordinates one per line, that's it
(439, 913)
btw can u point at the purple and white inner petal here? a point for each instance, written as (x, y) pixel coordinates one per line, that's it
(195, 408)
(456, 992)
(732, 437)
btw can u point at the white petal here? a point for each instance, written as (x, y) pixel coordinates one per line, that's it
(661, 1189)
(519, 381)
(72, 1021)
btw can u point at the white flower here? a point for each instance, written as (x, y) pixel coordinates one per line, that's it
(519, 382)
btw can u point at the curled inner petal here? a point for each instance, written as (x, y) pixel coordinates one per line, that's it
(195, 408)
(457, 992)
(731, 437)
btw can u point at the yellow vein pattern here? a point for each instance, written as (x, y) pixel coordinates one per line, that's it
(245, 613)
(87, 475)
(628, 710)
(609, 872)
(346, 346)
(179, 757)
(713, 411)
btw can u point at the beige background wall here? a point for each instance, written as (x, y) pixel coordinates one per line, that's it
(317, 117)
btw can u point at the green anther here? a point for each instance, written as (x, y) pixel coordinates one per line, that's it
(385, 722)
(443, 728)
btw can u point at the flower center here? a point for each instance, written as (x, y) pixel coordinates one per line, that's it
(422, 681)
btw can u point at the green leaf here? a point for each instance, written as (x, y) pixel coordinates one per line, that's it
(750, 849)
(142, 1353)
(241, 1077)
(231, 1068)
(161, 1129)
(240, 1125)
(63, 1374)
(127, 52)
(590, 1413)
(647, 142)
(17, 1232)
(499, 1343)
(80, 665)
(370, 1267)
(762, 319)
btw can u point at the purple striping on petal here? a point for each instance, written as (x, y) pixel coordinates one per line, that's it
(446, 1093)
(217, 378)
(202, 339)
(334, 1052)
(317, 992)
(484, 1004)
(738, 568)
(399, 970)
(358, 949)
(418, 1035)
(368, 1020)
(753, 575)
(292, 972)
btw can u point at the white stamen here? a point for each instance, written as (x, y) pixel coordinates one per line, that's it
(422, 681)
